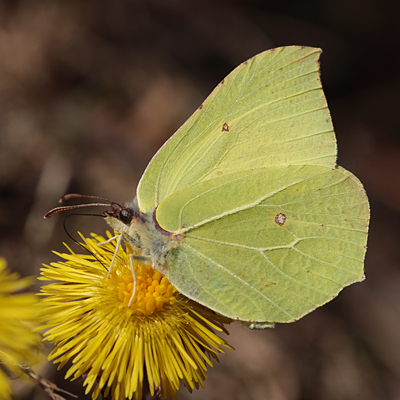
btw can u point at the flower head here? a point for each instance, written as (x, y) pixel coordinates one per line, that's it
(161, 338)
(18, 344)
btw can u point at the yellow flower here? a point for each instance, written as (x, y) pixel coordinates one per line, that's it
(18, 344)
(160, 339)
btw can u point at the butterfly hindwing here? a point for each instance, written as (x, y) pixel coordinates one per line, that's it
(270, 244)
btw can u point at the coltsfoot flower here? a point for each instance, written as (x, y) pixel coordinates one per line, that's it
(19, 346)
(161, 338)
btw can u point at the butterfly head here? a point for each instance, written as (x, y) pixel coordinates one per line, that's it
(120, 218)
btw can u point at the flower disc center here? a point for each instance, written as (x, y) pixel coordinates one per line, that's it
(152, 289)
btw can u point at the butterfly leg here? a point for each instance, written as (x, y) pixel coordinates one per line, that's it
(138, 258)
(115, 254)
(141, 259)
(131, 257)
(108, 240)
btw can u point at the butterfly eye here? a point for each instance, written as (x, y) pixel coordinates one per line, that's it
(126, 216)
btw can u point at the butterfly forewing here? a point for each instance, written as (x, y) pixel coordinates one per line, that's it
(270, 111)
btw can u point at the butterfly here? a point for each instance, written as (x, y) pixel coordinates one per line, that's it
(244, 209)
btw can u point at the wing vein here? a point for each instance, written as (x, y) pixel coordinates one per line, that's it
(237, 209)
(209, 260)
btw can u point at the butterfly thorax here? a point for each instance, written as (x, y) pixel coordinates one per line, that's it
(142, 233)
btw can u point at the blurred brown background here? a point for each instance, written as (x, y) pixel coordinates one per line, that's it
(89, 90)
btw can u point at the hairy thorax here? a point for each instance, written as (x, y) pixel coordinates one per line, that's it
(142, 234)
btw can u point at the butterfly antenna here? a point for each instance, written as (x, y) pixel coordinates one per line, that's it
(70, 196)
(66, 208)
